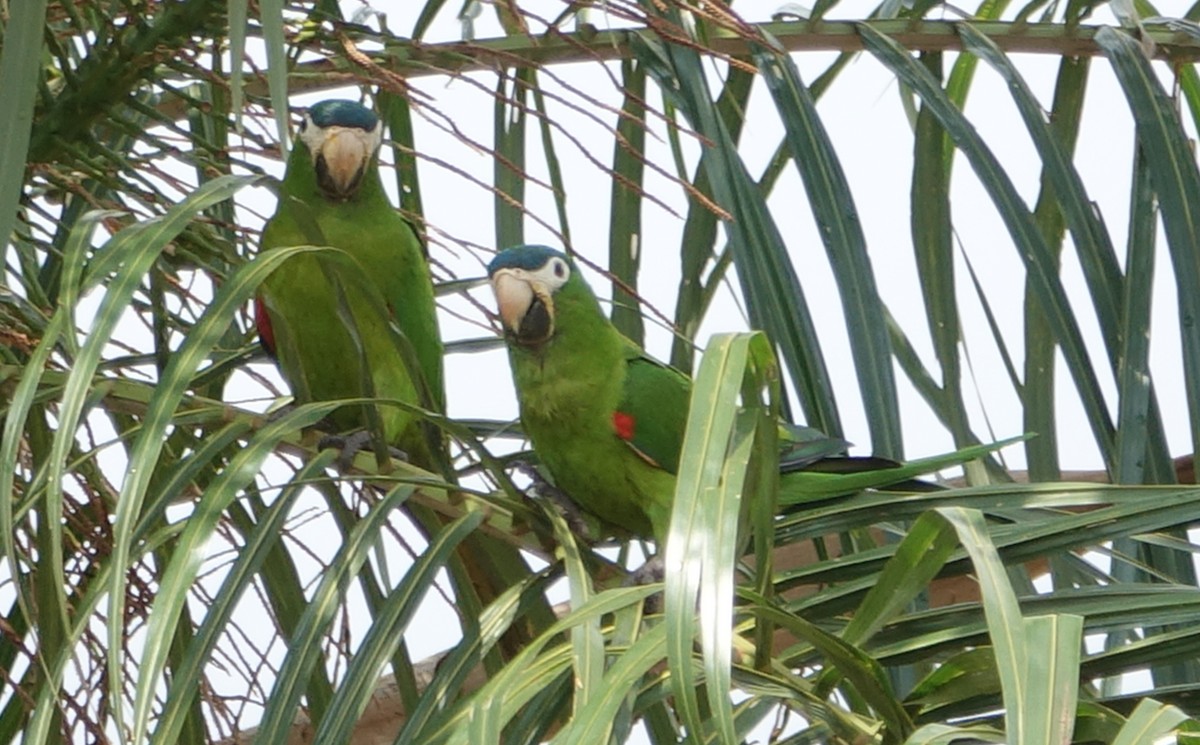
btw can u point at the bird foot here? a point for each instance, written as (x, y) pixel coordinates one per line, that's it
(653, 570)
(540, 488)
(351, 445)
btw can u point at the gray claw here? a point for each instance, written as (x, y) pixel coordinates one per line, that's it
(543, 489)
(351, 444)
(653, 570)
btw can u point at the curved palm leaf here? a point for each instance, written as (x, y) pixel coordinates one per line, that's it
(146, 493)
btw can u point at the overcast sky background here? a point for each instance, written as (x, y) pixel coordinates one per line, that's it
(863, 113)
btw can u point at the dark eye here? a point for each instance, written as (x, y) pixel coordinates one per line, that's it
(560, 269)
(303, 124)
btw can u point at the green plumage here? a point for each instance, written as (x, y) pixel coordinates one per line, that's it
(316, 353)
(332, 195)
(656, 397)
(569, 390)
(606, 420)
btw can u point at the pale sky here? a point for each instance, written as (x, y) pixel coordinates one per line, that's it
(864, 116)
(867, 123)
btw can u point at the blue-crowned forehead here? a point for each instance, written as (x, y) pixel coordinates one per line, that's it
(341, 113)
(529, 258)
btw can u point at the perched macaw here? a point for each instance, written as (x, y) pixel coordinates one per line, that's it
(332, 195)
(606, 420)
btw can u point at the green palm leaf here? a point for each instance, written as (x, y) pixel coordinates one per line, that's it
(177, 565)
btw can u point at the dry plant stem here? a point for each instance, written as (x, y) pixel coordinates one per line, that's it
(412, 59)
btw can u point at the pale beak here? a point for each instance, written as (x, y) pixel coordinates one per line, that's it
(525, 307)
(514, 295)
(342, 161)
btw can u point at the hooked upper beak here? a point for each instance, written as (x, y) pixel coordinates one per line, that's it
(342, 160)
(526, 308)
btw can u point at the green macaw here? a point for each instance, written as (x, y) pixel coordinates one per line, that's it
(332, 195)
(606, 420)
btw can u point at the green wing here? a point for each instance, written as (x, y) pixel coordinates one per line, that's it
(652, 417)
(653, 411)
(407, 285)
(801, 447)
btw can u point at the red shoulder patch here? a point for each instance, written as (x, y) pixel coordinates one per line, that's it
(266, 334)
(623, 425)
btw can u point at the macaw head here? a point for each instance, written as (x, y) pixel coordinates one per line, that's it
(341, 137)
(525, 280)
